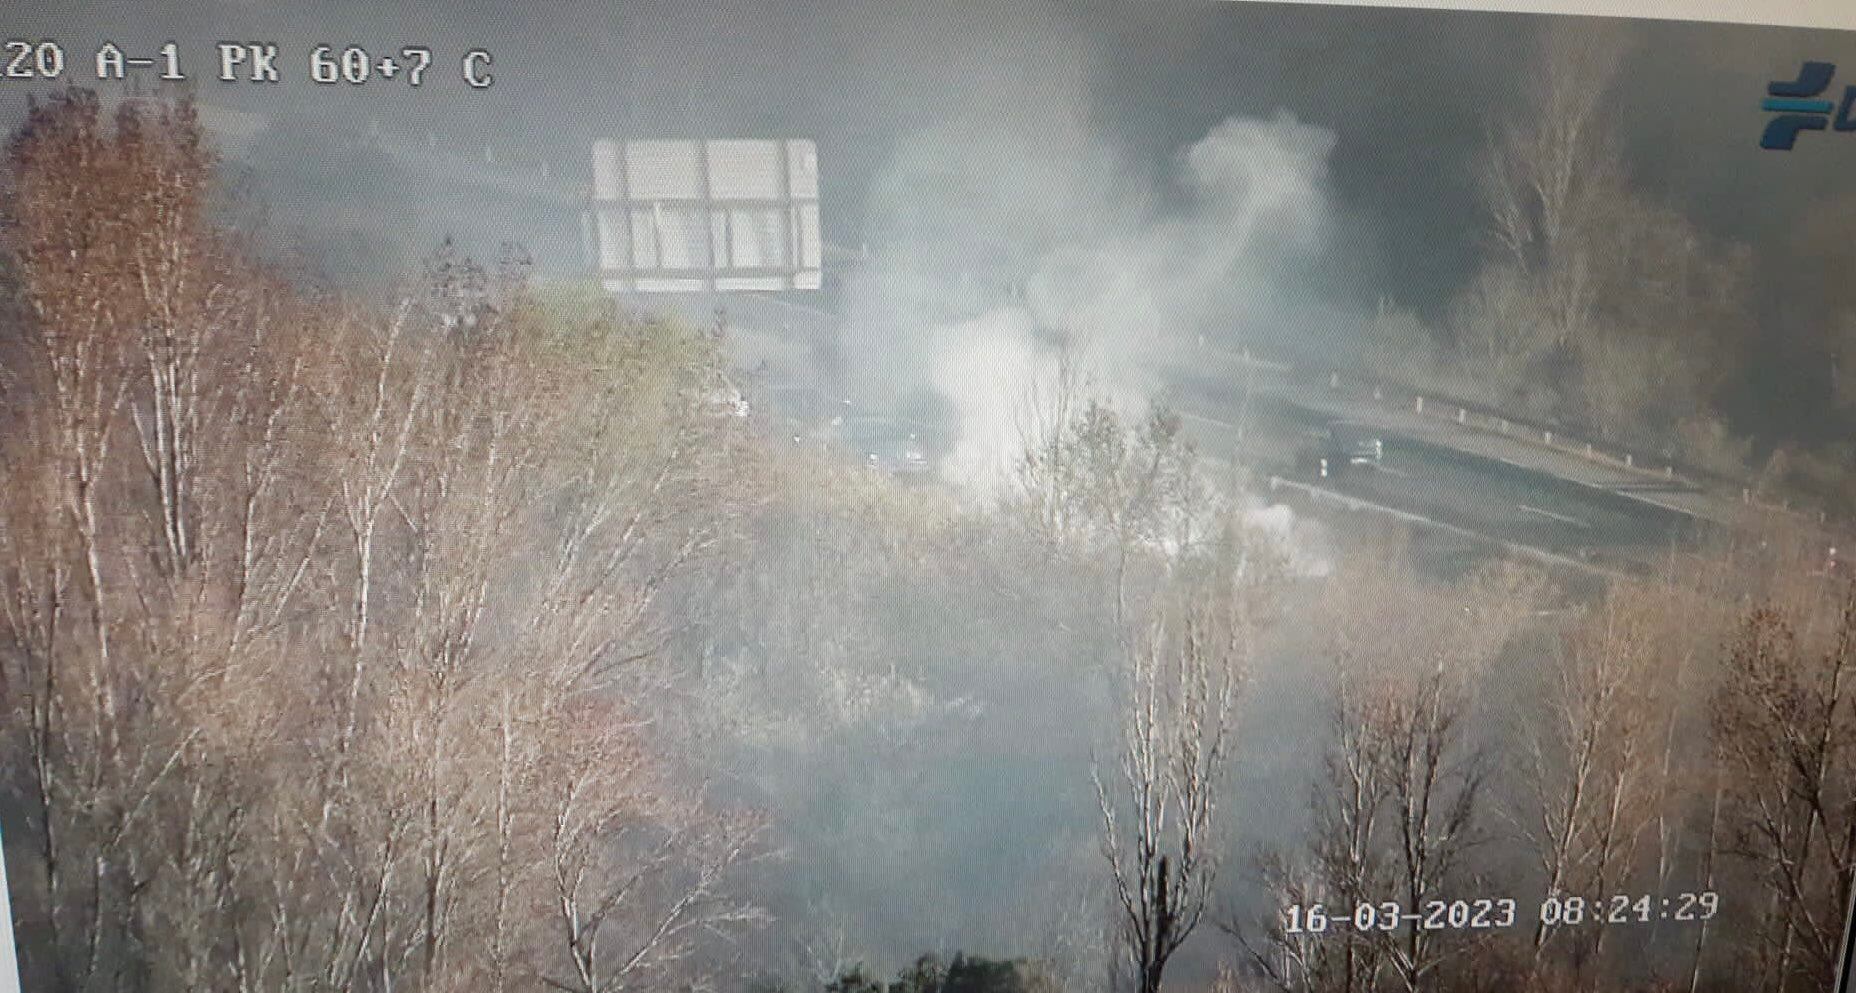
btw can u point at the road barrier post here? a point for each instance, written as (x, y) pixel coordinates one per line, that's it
(1420, 405)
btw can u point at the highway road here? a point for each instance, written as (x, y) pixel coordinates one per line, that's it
(1466, 492)
(1515, 505)
(1478, 488)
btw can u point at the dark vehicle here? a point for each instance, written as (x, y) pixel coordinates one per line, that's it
(1346, 446)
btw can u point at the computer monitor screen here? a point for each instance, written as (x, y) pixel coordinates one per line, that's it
(839, 496)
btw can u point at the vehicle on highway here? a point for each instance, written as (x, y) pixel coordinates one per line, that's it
(1346, 445)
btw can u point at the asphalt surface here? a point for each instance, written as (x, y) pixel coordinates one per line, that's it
(1511, 504)
(1504, 501)
(1273, 424)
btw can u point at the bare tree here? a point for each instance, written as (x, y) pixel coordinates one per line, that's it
(1498, 320)
(1782, 724)
(1347, 838)
(1161, 813)
(1589, 281)
(276, 642)
(634, 883)
(1400, 809)
(1544, 178)
(1129, 495)
(118, 276)
(1586, 761)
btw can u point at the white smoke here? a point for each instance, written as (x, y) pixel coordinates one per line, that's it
(984, 368)
(1302, 545)
(998, 246)
(1256, 199)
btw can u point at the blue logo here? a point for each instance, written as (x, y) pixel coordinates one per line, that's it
(1798, 104)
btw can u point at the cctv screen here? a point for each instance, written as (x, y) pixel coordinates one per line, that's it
(839, 496)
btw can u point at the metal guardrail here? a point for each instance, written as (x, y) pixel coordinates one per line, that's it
(1652, 470)
(1662, 471)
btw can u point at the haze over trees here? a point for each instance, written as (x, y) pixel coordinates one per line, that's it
(1601, 306)
(457, 641)
(321, 620)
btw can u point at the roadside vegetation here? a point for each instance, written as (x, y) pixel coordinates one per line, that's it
(1606, 311)
(457, 641)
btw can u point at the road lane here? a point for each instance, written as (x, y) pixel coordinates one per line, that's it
(1503, 501)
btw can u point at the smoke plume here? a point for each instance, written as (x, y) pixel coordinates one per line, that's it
(1019, 245)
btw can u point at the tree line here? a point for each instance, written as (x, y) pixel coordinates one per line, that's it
(462, 640)
(320, 619)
